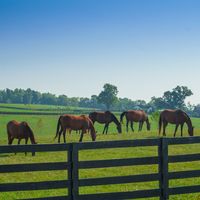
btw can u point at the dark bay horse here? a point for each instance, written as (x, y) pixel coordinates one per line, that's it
(135, 116)
(17, 130)
(105, 118)
(177, 117)
(72, 122)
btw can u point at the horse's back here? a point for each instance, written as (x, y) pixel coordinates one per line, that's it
(101, 117)
(173, 116)
(15, 129)
(75, 122)
(136, 115)
(12, 125)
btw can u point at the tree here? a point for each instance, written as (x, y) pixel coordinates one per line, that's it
(157, 103)
(176, 98)
(196, 111)
(108, 96)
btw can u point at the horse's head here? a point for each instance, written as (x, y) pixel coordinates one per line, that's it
(31, 135)
(191, 131)
(119, 128)
(94, 135)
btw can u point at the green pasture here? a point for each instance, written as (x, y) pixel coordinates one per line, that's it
(44, 128)
(32, 108)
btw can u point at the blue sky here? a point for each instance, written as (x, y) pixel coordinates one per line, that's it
(73, 47)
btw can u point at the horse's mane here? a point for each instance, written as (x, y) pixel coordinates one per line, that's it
(189, 122)
(188, 117)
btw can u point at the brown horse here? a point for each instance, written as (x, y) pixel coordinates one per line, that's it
(105, 118)
(177, 117)
(72, 122)
(17, 130)
(135, 116)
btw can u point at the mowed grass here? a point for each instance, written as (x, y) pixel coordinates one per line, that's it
(36, 108)
(44, 128)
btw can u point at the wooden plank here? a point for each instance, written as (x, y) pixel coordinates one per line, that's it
(184, 174)
(34, 148)
(117, 162)
(33, 167)
(7, 187)
(75, 170)
(70, 161)
(119, 180)
(184, 158)
(118, 144)
(121, 195)
(184, 190)
(163, 169)
(183, 140)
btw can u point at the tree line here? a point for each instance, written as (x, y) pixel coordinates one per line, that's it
(106, 100)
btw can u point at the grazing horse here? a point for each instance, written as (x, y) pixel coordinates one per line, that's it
(72, 122)
(135, 116)
(105, 118)
(17, 130)
(177, 117)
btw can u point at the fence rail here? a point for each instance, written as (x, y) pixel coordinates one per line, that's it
(73, 165)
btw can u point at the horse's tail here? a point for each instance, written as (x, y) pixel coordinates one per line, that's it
(148, 124)
(58, 126)
(92, 130)
(121, 116)
(160, 124)
(8, 133)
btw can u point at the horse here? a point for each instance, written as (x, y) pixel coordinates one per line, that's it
(20, 130)
(177, 117)
(135, 116)
(72, 122)
(105, 118)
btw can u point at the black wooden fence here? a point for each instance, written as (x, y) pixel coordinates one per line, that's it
(73, 165)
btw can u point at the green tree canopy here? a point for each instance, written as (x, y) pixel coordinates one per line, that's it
(176, 98)
(108, 96)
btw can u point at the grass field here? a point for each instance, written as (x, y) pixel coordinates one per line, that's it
(21, 108)
(44, 128)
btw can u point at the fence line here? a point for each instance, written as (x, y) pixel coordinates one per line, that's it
(73, 165)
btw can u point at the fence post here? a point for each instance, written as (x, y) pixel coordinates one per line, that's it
(70, 188)
(75, 175)
(163, 168)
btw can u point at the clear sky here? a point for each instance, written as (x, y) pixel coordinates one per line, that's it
(72, 47)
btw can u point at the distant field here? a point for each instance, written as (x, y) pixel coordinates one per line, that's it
(21, 108)
(44, 128)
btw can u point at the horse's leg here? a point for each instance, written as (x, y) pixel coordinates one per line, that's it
(18, 144)
(10, 140)
(104, 129)
(64, 135)
(139, 128)
(59, 135)
(177, 125)
(182, 130)
(142, 123)
(164, 128)
(26, 142)
(107, 128)
(127, 123)
(132, 126)
(81, 137)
